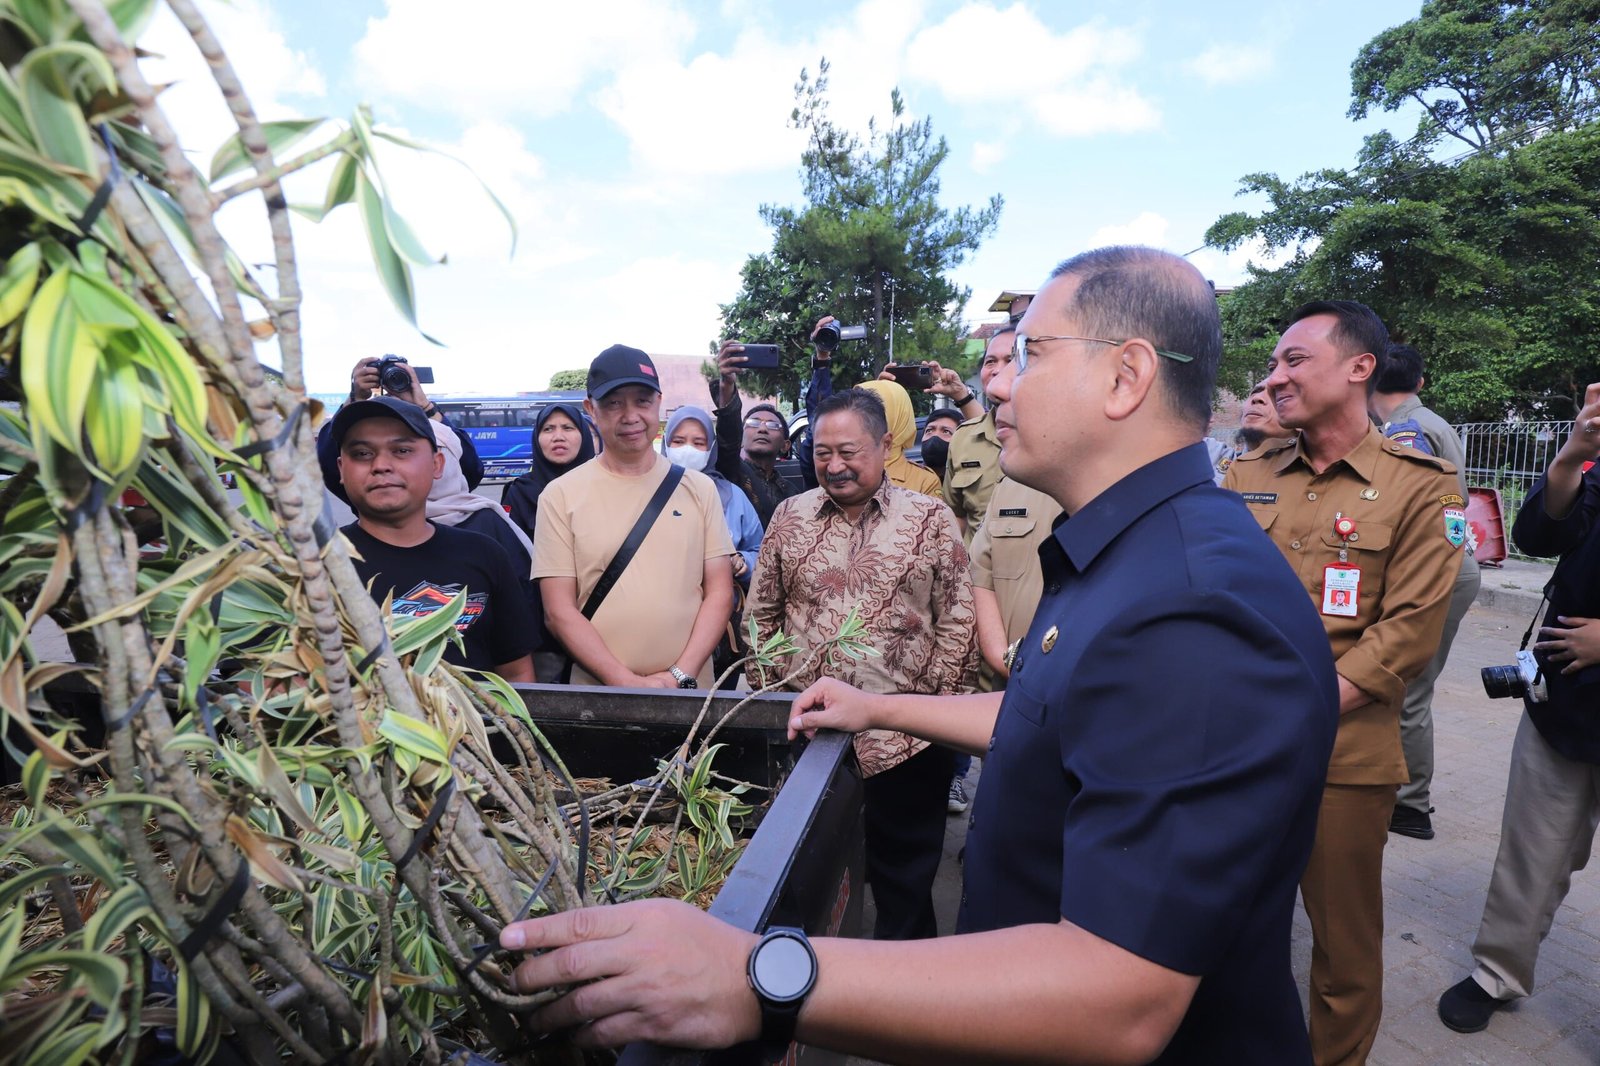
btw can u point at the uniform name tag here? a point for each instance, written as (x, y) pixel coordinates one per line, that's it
(971, 464)
(1013, 512)
(1259, 497)
(1341, 590)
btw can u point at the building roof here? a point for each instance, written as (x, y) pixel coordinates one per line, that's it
(1002, 303)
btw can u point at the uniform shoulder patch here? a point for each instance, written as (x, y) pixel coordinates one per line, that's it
(1452, 500)
(1455, 526)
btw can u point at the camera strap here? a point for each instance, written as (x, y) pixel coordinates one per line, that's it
(1533, 623)
(630, 546)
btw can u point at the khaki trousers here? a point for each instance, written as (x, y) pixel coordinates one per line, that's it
(1343, 895)
(1416, 716)
(1546, 835)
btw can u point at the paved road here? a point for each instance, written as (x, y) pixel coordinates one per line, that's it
(1435, 889)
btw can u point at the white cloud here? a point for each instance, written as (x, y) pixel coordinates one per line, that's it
(1232, 268)
(510, 57)
(1148, 229)
(274, 75)
(1068, 82)
(728, 113)
(1231, 64)
(986, 155)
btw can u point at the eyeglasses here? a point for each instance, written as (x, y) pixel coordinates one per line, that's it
(1020, 348)
(762, 423)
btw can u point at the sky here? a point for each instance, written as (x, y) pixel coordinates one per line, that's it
(634, 142)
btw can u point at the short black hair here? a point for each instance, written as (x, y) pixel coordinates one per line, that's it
(1356, 328)
(1005, 327)
(1400, 370)
(952, 413)
(863, 402)
(1128, 291)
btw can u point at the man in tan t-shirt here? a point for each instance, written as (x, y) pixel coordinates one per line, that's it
(660, 622)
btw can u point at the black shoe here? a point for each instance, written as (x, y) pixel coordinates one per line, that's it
(1466, 1007)
(1410, 822)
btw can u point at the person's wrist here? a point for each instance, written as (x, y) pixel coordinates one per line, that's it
(962, 401)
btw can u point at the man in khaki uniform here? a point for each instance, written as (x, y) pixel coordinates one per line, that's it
(1006, 575)
(1375, 530)
(973, 469)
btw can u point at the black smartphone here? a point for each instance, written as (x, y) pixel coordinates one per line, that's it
(760, 356)
(912, 377)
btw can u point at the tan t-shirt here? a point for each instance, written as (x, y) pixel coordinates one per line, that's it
(583, 519)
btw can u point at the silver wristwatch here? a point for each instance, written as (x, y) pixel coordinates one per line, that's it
(684, 680)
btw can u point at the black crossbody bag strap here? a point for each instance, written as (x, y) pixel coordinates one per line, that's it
(641, 528)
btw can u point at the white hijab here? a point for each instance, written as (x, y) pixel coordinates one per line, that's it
(450, 501)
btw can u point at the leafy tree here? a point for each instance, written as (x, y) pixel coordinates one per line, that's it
(871, 245)
(569, 379)
(1485, 72)
(1486, 262)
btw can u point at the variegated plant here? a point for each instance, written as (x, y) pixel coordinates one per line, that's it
(294, 836)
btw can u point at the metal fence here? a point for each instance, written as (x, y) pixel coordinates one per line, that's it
(1510, 456)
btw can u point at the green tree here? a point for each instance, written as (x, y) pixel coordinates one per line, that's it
(871, 244)
(1489, 262)
(569, 379)
(1485, 72)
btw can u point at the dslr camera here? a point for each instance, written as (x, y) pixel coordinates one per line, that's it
(829, 336)
(393, 377)
(1524, 678)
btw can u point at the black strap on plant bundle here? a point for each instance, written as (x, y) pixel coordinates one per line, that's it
(630, 546)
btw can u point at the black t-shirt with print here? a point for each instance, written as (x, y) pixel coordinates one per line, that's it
(497, 624)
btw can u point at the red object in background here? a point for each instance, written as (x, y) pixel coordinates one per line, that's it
(1486, 521)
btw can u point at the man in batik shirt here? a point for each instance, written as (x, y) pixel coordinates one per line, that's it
(896, 557)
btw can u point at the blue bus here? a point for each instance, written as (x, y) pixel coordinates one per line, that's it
(501, 427)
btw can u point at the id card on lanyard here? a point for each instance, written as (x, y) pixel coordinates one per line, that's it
(1341, 590)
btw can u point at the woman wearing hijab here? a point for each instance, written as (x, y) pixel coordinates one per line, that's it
(691, 442)
(452, 503)
(561, 442)
(903, 434)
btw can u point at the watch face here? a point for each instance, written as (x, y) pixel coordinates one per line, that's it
(783, 969)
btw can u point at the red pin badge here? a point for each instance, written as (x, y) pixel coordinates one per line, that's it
(1344, 527)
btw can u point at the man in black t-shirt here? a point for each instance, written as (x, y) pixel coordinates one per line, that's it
(387, 462)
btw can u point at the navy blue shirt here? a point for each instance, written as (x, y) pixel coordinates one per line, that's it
(1567, 722)
(1159, 757)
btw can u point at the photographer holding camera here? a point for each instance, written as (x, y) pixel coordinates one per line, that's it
(1553, 790)
(391, 376)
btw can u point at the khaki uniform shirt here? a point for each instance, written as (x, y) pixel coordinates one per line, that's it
(1410, 525)
(585, 515)
(1446, 444)
(972, 471)
(1005, 552)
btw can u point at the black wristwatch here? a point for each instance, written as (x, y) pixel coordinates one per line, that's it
(968, 398)
(782, 971)
(684, 680)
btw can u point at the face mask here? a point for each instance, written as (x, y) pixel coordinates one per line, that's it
(935, 452)
(687, 456)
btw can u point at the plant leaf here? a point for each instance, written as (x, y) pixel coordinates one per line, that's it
(393, 270)
(18, 281)
(232, 157)
(415, 736)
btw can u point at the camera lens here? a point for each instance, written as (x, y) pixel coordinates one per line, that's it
(394, 378)
(1502, 682)
(828, 336)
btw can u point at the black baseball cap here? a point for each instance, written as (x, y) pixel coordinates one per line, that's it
(621, 365)
(382, 407)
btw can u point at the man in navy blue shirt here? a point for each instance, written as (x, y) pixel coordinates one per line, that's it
(1152, 775)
